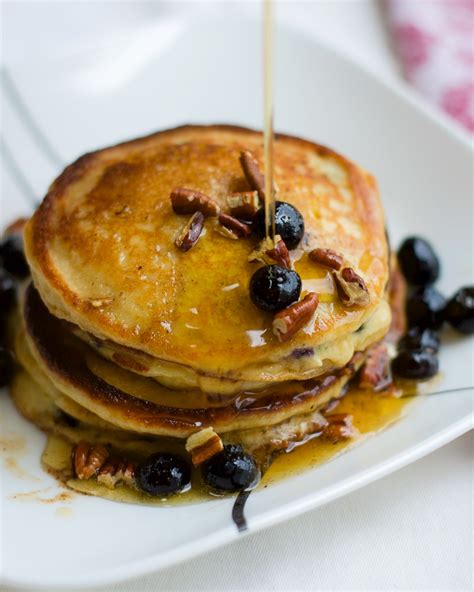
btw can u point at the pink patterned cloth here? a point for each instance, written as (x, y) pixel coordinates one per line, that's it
(435, 43)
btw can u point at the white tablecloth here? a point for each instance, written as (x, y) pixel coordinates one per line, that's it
(410, 531)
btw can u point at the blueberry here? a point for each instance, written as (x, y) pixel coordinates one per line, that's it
(163, 474)
(459, 311)
(425, 308)
(6, 367)
(13, 257)
(289, 223)
(7, 291)
(415, 364)
(417, 338)
(273, 288)
(418, 262)
(230, 470)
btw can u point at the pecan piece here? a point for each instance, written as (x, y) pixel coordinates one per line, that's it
(289, 439)
(188, 201)
(339, 428)
(191, 232)
(376, 372)
(268, 252)
(326, 257)
(202, 445)
(243, 205)
(226, 232)
(252, 173)
(290, 320)
(236, 226)
(351, 288)
(280, 254)
(88, 459)
(260, 253)
(114, 470)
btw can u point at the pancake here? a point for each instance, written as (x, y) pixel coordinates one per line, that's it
(126, 340)
(102, 254)
(302, 363)
(36, 406)
(60, 401)
(134, 403)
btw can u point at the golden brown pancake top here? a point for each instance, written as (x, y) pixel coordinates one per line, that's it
(105, 234)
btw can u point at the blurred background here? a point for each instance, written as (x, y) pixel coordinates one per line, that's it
(429, 42)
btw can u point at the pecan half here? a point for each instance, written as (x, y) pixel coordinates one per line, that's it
(115, 470)
(280, 254)
(326, 257)
(376, 373)
(290, 320)
(191, 232)
(252, 173)
(202, 445)
(188, 201)
(351, 288)
(239, 228)
(243, 205)
(88, 459)
(339, 428)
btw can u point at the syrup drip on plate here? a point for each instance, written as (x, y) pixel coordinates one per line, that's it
(238, 510)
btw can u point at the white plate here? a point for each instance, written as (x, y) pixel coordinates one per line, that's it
(210, 72)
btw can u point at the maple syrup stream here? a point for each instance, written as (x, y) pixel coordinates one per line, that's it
(239, 505)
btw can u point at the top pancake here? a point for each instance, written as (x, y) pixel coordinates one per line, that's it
(101, 247)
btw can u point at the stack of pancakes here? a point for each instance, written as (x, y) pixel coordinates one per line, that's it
(123, 331)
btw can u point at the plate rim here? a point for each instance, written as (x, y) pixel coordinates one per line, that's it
(228, 534)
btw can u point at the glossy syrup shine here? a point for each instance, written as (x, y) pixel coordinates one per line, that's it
(371, 412)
